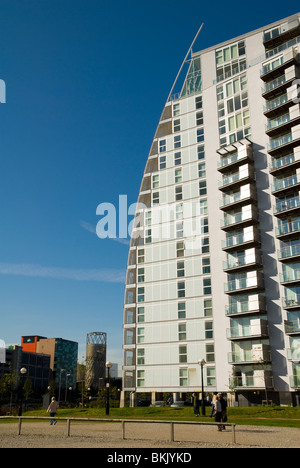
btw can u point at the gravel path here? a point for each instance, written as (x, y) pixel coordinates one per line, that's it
(108, 435)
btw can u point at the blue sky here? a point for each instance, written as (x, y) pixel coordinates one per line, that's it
(86, 83)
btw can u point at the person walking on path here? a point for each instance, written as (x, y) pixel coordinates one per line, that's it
(224, 410)
(53, 407)
(218, 413)
(196, 405)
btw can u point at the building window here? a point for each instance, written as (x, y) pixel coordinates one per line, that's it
(155, 198)
(180, 249)
(203, 207)
(182, 332)
(179, 211)
(199, 118)
(140, 335)
(140, 378)
(177, 159)
(201, 152)
(205, 245)
(181, 289)
(179, 230)
(210, 352)
(198, 102)
(211, 376)
(183, 377)
(181, 310)
(148, 236)
(200, 135)
(176, 125)
(141, 275)
(208, 311)
(182, 354)
(140, 357)
(141, 294)
(206, 266)
(141, 256)
(180, 269)
(201, 170)
(141, 314)
(155, 181)
(209, 330)
(206, 286)
(162, 146)
(204, 226)
(176, 109)
(177, 141)
(162, 162)
(178, 175)
(202, 188)
(178, 193)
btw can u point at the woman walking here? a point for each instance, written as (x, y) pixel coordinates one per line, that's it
(53, 407)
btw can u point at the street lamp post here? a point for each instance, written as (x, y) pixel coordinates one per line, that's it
(59, 390)
(23, 373)
(108, 366)
(202, 364)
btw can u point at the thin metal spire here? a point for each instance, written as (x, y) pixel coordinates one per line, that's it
(184, 61)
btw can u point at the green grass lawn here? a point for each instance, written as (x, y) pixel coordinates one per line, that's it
(260, 415)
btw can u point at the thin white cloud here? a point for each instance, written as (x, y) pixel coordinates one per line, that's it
(90, 228)
(31, 270)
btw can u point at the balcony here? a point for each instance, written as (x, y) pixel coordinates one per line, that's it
(277, 66)
(283, 143)
(290, 276)
(255, 305)
(291, 302)
(286, 162)
(235, 155)
(246, 195)
(277, 85)
(281, 185)
(250, 236)
(278, 105)
(246, 217)
(289, 252)
(251, 259)
(253, 382)
(292, 327)
(257, 329)
(253, 281)
(295, 381)
(287, 230)
(251, 356)
(246, 172)
(281, 34)
(288, 206)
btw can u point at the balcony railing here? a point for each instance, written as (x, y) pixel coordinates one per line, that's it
(253, 382)
(295, 381)
(275, 123)
(291, 302)
(287, 205)
(242, 261)
(290, 276)
(289, 251)
(250, 356)
(276, 103)
(249, 331)
(239, 284)
(288, 228)
(285, 183)
(291, 327)
(282, 162)
(279, 142)
(247, 307)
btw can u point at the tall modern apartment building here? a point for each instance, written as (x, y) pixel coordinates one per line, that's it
(214, 263)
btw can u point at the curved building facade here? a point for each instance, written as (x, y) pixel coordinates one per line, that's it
(214, 257)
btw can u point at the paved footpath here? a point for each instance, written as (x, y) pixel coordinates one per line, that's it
(108, 435)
